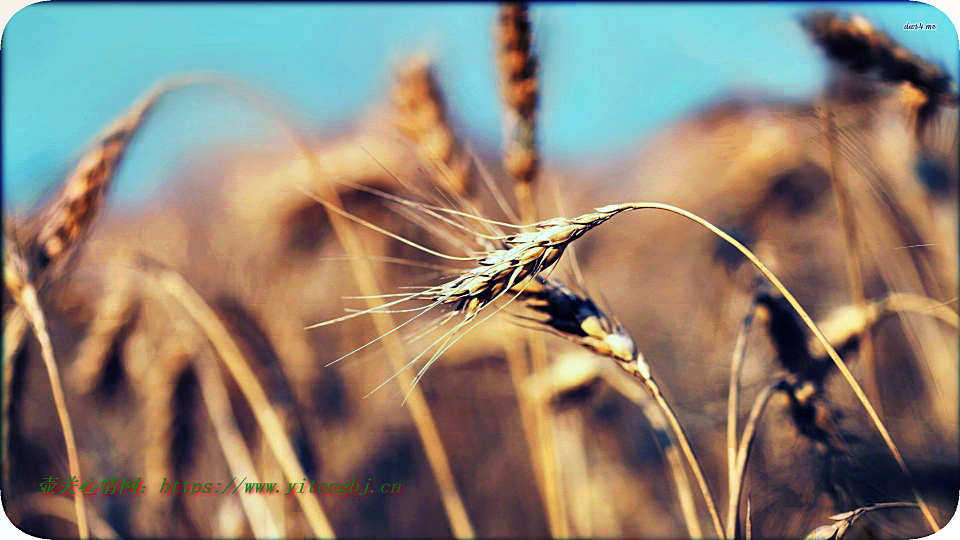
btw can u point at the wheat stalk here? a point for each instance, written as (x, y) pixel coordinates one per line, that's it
(234, 448)
(733, 400)
(268, 419)
(743, 454)
(15, 273)
(519, 91)
(15, 327)
(853, 262)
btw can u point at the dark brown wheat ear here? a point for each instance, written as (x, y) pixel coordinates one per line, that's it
(855, 44)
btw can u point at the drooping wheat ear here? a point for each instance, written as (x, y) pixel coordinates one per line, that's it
(844, 521)
(23, 292)
(519, 89)
(68, 217)
(858, 46)
(420, 115)
(577, 319)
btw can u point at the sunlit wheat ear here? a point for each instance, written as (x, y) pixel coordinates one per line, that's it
(854, 43)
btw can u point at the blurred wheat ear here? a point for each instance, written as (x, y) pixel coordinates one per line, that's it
(39, 250)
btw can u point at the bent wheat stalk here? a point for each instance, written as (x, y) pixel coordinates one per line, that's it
(577, 319)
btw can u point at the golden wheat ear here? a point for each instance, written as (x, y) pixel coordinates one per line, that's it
(64, 221)
(420, 114)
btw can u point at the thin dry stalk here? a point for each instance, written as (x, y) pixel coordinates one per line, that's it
(419, 409)
(574, 374)
(641, 371)
(246, 380)
(519, 90)
(234, 448)
(516, 365)
(733, 401)
(853, 262)
(665, 438)
(743, 454)
(15, 326)
(24, 293)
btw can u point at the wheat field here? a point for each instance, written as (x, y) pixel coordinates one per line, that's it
(741, 326)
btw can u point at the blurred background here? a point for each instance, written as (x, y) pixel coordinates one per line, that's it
(208, 255)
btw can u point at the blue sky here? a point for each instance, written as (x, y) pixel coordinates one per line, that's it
(612, 74)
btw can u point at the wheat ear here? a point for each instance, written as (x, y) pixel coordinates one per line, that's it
(846, 520)
(855, 44)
